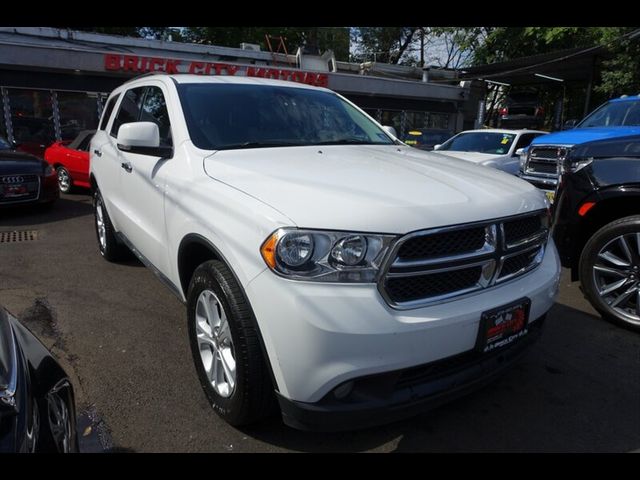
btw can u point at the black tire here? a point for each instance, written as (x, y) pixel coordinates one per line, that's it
(69, 186)
(111, 249)
(588, 258)
(253, 397)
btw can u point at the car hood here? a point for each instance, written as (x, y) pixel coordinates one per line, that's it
(474, 157)
(386, 189)
(577, 136)
(12, 162)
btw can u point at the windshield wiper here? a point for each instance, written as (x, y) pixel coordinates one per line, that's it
(236, 146)
(349, 141)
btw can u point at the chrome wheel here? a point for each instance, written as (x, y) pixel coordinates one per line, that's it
(215, 343)
(102, 233)
(616, 275)
(64, 180)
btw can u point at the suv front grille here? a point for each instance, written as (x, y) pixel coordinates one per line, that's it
(544, 160)
(437, 265)
(445, 243)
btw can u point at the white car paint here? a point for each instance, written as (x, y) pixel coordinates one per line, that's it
(508, 162)
(316, 334)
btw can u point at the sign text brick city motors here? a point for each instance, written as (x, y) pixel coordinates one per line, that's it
(134, 63)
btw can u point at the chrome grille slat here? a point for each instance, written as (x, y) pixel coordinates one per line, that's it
(512, 247)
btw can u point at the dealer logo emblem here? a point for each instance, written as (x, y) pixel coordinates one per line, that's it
(15, 179)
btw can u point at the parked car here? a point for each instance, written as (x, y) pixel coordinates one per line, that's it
(71, 161)
(25, 179)
(490, 147)
(37, 409)
(323, 263)
(521, 110)
(426, 139)
(597, 225)
(619, 117)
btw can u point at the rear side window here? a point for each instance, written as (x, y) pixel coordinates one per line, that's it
(107, 111)
(129, 109)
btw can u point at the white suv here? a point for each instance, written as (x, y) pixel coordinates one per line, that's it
(320, 259)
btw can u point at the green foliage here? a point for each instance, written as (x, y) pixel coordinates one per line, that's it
(384, 44)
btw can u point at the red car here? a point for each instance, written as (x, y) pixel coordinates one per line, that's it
(71, 161)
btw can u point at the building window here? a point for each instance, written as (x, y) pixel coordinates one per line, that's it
(32, 119)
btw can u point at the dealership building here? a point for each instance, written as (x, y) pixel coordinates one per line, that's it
(54, 82)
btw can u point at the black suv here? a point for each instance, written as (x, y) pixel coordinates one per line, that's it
(521, 110)
(597, 225)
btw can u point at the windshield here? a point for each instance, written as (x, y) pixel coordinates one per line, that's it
(482, 142)
(4, 145)
(614, 114)
(228, 116)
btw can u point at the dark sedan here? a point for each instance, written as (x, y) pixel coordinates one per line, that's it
(37, 412)
(25, 179)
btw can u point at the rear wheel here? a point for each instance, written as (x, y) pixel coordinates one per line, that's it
(225, 346)
(108, 244)
(65, 182)
(610, 271)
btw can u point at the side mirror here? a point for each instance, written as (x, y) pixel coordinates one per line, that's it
(570, 124)
(390, 130)
(437, 147)
(519, 152)
(142, 138)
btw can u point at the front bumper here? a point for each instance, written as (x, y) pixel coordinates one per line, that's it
(392, 396)
(318, 336)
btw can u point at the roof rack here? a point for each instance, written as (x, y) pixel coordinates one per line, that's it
(148, 74)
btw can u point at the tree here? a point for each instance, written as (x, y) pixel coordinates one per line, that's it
(383, 44)
(325, 38)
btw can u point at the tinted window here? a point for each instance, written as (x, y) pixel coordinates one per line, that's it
(154, 109)
(526, 139)
(483, 142)
(129, 109)
(107, 112)
(224, 116)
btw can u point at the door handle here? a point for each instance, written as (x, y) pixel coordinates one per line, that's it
(127, 166)
(98, 152)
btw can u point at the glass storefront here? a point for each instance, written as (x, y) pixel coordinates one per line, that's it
(40, 117)
(78, 112)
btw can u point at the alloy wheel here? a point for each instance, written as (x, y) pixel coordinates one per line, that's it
(215, 343)
(616, 275)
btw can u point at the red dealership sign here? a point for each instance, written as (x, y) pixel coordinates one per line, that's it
(134, 63)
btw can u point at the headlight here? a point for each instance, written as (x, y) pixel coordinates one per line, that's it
(572, 166)
(325, 256)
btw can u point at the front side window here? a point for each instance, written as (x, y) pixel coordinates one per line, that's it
(154, 109)
(228, 116)
(129, 109)
(482, 142)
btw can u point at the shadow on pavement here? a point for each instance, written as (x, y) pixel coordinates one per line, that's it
(67, 206)
(574, 391)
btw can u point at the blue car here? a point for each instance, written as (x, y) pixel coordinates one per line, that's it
(619, 117)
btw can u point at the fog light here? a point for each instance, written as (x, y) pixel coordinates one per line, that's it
(343, 390)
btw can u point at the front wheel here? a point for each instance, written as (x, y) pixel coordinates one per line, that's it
(610, 271)
(108, 244)
(65, 182)
(225, 346)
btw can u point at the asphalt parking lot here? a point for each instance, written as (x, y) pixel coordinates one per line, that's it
(122, 336)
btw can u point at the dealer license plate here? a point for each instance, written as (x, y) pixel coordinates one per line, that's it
(15, 191)
(504, 325)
